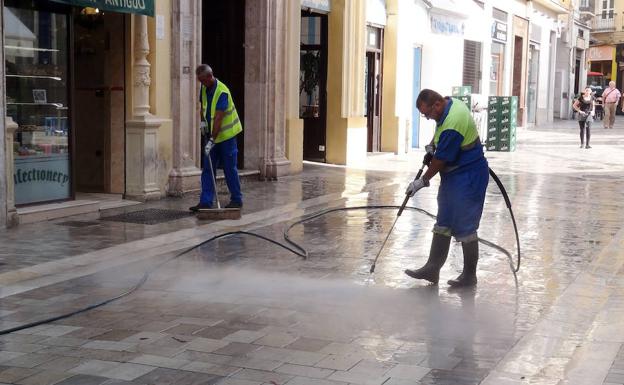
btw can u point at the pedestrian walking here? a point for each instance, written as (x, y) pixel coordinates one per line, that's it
(219, 126)
(457, 154)
(610, 100)
(586, 108)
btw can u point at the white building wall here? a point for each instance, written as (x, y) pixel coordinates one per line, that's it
(442, 57)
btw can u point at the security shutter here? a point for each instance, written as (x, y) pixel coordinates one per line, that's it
(472, 65)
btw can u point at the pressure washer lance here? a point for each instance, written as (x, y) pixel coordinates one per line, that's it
(407, 198)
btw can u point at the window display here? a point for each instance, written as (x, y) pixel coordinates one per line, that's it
(36, 70)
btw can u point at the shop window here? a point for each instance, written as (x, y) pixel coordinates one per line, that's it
(36, 62)
(497, 67)
(607, 9)
(472, 65)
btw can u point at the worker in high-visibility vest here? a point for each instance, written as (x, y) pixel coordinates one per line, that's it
(457, 154)
(219, 125)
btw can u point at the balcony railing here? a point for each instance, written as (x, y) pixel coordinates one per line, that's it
(604, 25)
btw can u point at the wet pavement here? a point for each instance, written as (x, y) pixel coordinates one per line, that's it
(242, 310)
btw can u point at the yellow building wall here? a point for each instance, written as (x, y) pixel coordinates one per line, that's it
(389, 118)
(346, 128)
(294, 125)
(160, 87)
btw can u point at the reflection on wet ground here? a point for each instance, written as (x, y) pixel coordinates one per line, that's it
(244, 311)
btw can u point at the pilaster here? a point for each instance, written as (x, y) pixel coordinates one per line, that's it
(265, 79)
(142, 130)
(11, 213)
(186, 56)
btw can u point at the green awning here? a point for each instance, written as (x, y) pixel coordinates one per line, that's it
(143, 7)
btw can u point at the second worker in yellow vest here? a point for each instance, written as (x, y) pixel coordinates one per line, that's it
(220, 125)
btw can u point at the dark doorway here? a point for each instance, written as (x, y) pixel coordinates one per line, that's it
(223, 48)
(373, 87)
(99, 101)
(517, 74)
(313, 85)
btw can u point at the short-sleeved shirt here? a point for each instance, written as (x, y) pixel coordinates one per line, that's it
(449, 147)
(584, 106)
(611, 95)
(221, 103)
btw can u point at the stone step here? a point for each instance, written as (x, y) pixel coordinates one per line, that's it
(49, 211)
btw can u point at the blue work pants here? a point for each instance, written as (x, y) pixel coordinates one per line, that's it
(225, 155)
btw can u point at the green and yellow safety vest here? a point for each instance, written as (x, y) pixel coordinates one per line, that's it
(460, 120)
(231, 124)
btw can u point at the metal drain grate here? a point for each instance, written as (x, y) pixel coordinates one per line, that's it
(79, 223)
(148, 216)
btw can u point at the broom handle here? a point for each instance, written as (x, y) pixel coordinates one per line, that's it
(214, 181)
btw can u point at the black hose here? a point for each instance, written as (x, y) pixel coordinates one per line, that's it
(298, 250)
(503, 191)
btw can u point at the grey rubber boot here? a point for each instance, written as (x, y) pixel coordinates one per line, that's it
(468, 277)
(437, 256)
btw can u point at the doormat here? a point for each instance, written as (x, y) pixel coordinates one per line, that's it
(148, 216)
(78, 223)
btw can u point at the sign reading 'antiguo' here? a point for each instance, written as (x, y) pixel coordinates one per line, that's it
(143, 7)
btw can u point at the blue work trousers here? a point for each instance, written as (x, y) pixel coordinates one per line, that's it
(223, 155)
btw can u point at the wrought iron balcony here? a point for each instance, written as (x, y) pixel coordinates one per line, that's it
(604, 25)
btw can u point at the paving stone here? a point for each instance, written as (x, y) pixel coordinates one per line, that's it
(277, 340)
(95, 367)
(339, 362)
(244, 336)
(312, 381)
(262, 376)
(209, 345)
(308, 344)
(304, 371)
(408, 372)
(61, 364)
(11, 375)
(83, 380)
(215, 332)
(236, 349)
(114, 335)
(216, 369)
(20, 347)
(29, 360)
(46, 377)
(128, 371)
(157, 361)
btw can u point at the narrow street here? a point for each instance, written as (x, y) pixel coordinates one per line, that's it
(244, 311)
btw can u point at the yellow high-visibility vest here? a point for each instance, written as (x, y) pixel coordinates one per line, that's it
(231, 124)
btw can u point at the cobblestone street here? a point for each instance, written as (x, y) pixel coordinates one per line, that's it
(243, 311)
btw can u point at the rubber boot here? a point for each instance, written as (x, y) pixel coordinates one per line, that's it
(468, 277)
(437, 256)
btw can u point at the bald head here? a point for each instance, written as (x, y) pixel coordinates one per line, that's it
(612, 84)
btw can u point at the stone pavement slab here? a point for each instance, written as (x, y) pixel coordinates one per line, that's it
(242, 311)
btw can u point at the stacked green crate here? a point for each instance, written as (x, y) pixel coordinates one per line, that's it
(509, 123)
(493, 127)
(502, 123)
(463, 93)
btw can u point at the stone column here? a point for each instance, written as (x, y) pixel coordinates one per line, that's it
(11, 213)
(142, 130)
(186, 56)
(265, 68)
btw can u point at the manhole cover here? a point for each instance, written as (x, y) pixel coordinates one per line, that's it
(78, 224)
(148, 216)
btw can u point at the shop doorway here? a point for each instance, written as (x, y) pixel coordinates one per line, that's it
(223, 48)
(98, 101)
(373, 87)
(517, 74)
(532, 86)
(415, 92)
(313, 84)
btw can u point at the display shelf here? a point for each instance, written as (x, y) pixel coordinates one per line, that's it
(33, 77)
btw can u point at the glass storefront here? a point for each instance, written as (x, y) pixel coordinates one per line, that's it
(37, 96)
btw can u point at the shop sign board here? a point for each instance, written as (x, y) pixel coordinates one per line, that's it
(600, 53)
(499, 31)
(446, 25)
(143, 7)
(41, 178)
(318, 5)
